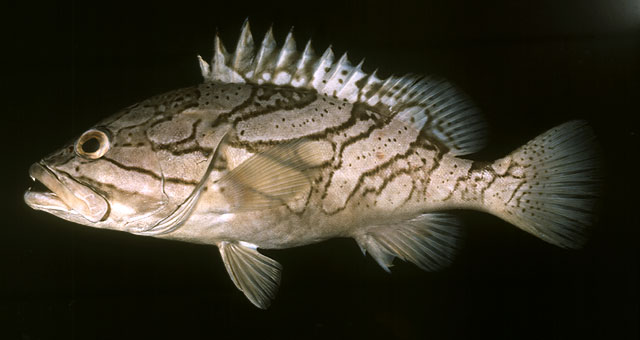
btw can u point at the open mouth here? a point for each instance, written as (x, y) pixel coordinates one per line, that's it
(59, 193)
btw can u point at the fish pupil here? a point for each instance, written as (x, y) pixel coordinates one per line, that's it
(91, 145)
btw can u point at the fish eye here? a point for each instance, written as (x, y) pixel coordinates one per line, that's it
(93, 144)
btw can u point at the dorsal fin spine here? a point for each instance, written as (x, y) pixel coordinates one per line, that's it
(349, 90)
(306, 60)
(284, 63)
(320, 68)
(288, 49)
(264, 54)
(243, 56)
(219, 54)
(219, 70)
(204, 68)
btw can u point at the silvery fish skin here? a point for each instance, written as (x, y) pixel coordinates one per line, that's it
(280, 148)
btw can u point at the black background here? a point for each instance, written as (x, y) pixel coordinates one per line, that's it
(529, 65)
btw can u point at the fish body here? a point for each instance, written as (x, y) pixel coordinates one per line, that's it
(280, 148)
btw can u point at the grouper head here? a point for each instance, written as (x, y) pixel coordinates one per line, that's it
(123, 173)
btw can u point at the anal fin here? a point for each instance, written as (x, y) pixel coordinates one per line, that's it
(256, 275)
(428, 240)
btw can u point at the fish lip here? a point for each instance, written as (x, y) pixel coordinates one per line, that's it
(66, 195)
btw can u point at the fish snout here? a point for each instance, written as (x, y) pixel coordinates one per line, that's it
(66, 195)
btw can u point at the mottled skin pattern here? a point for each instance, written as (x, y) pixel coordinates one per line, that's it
(375, 169)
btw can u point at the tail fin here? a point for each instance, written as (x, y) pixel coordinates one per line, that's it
(551, 185)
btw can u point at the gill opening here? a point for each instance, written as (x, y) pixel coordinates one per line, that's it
(180, 215)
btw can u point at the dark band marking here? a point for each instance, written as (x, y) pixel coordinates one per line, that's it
(515, 191)
(149, 173)
(173, 147)
(376, 170)
(387, 180)
(96, 185)
(296, 99)
(455, 186)
(174, 102)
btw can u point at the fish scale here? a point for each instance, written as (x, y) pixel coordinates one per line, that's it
(280, 148)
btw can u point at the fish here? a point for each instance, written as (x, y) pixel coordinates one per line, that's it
(280, 148)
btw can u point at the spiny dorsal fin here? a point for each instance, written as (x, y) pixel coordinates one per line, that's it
(430, 104)
(428, 240)
(254, 274)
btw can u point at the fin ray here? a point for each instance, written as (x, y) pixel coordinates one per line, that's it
(560, 185)
(254, 274)
(271, 178)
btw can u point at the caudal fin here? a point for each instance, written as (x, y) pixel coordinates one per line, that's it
(551, 185)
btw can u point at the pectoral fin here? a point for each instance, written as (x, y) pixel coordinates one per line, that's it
(271, 178)
(256, 275)
(428, 240)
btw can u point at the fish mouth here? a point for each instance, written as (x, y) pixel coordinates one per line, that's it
(65, 197)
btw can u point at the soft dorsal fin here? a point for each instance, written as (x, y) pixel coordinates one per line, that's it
(430, 104)
(429, 241)
(271, 178)
(256, 275)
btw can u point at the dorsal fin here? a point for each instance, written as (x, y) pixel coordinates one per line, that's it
(430, 104)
